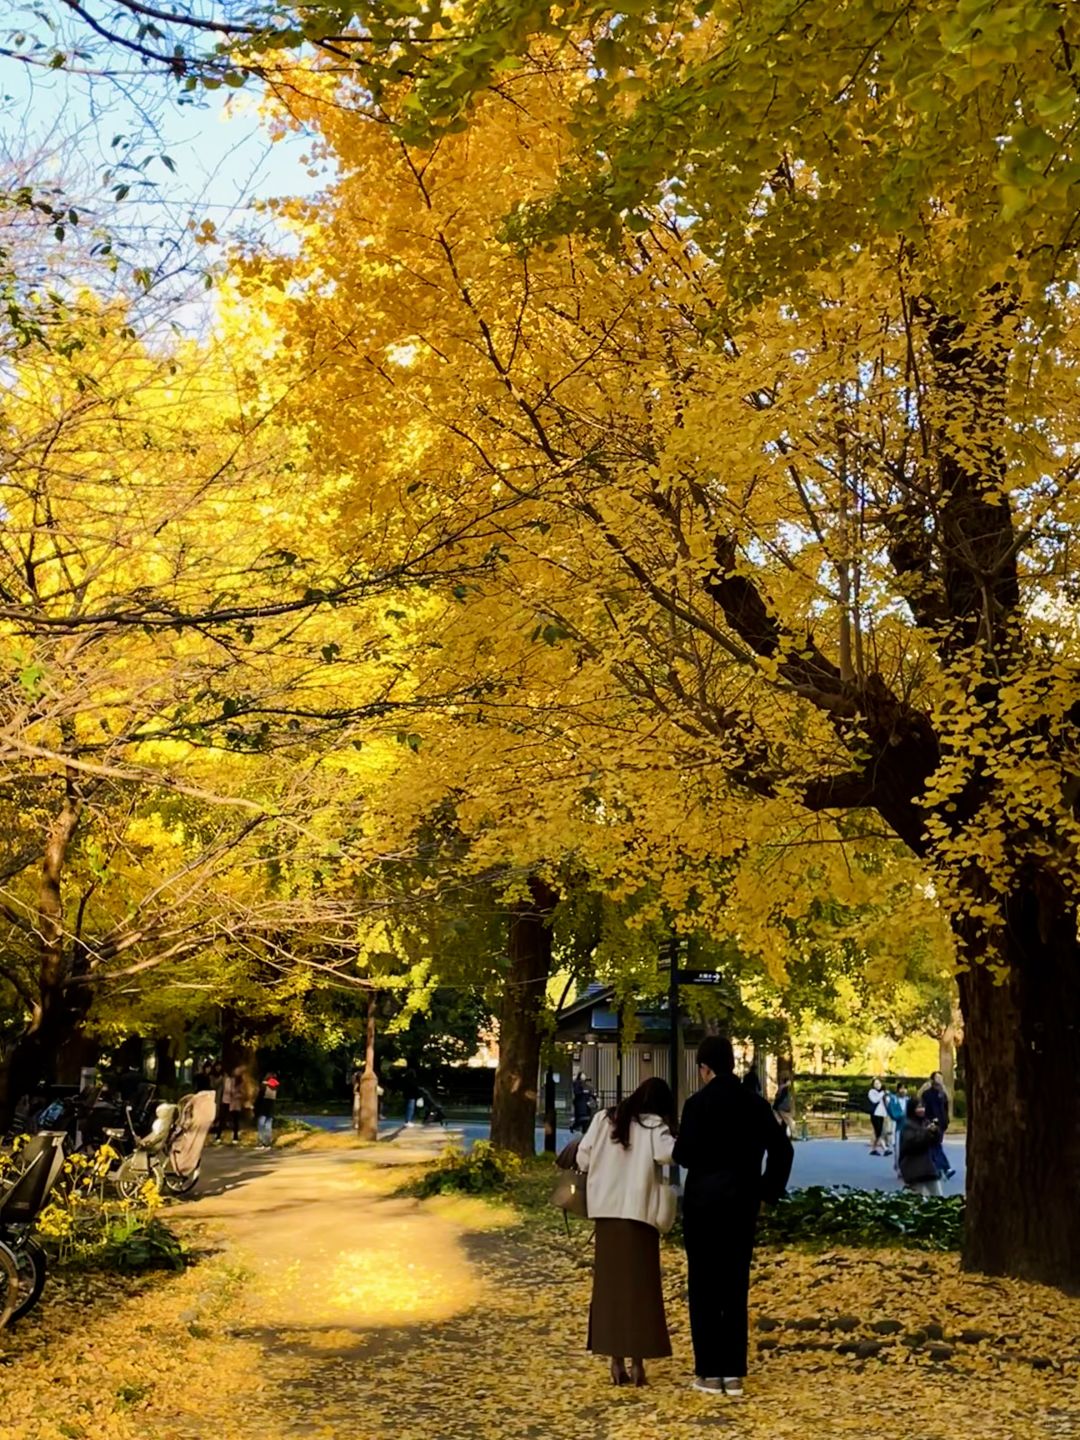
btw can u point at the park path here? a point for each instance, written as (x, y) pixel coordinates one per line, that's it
(327, 1243)
(336, 1308)
(354, 1313)
(339, 1282)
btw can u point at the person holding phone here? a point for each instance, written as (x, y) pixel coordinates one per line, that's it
(917, 1141)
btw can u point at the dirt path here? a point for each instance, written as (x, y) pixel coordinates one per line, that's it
(337, 1310)
(328, 1246)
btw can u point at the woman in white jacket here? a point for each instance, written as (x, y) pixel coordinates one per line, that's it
(621, 1154)
(876, 1097)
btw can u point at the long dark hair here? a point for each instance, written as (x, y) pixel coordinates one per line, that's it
(652, 1097)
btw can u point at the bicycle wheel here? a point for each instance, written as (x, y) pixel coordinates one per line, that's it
(130, 1178)
(177, 1183)
(30, 1258)
(9, 1283)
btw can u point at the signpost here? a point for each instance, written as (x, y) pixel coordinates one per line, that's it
(677, 949)
(673, 1016)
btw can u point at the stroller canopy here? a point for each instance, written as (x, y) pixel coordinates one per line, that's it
(193, 1122)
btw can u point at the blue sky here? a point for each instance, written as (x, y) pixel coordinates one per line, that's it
(65, 128)
(218, 164)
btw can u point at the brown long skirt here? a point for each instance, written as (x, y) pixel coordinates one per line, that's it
(626, 1317)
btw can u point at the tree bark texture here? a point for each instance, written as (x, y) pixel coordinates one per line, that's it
(513, 1112)
(1022, 1053)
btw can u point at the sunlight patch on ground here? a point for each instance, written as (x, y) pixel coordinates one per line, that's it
(386, 1280)
(394, 1282)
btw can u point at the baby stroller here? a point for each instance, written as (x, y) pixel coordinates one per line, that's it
(148, 1159)
(22, 1260)
(194, 1118)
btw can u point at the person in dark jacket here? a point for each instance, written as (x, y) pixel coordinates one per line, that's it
(265, 1100)
(936, 1099)
(410, 1090)
(898, 1110)
(918, 1139)
(584, 1103)
(725, 1133)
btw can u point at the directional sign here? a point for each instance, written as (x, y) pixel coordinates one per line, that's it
(701, 977)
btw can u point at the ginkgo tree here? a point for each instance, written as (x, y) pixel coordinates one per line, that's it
(189, 621)
(815, 549)
(790, 426)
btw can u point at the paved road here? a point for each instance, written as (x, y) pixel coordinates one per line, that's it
(817, 1162)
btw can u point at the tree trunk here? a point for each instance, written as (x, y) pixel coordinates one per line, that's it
(166, 1061)
(513, 1111)
(79, 1052)
(368, 1126)
(1022, 1056)
(948, 1039)
(238, 1052)
(785, 1056)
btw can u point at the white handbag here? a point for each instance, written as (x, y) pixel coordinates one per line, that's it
(665, 1203)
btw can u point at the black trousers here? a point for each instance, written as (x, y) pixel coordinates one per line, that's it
(719, 1249)
(225, 1116)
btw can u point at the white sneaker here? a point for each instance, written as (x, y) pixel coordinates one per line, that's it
(733, 1385)
(708, 1385)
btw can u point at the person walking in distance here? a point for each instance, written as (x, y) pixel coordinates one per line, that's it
(724, 1135)
(620, 1154)
(897, 1105)
(784, 1105)
(264, 1110)
(876, 1098)
(888, 1127)
(217, 1076)
(584, 1103)
(936, 1099)
(410, 1090)
(232, 1104)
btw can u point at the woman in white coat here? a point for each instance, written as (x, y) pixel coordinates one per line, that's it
(621, 1154)
(876, 1097)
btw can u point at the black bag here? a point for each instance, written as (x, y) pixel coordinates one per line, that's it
(567, 1156)
(569, 1194)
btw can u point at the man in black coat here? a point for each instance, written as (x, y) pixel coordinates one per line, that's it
(725, 1133)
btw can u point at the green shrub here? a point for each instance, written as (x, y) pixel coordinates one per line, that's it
(135, 1243)
(484, 1170)
(291, 1125)
(838, 1214)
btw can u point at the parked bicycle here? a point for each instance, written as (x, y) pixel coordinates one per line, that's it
(23, 1263)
